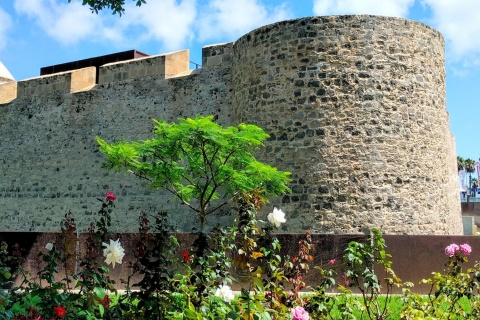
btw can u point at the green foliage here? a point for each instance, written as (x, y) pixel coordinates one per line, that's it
(460, 163)
(469, 165)
(116, 6)
(185, 286)
(6, 275)
(454, 294)
(201, 163)
(360, 259)
(321, 304)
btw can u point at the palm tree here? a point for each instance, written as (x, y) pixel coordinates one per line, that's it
(469, 165)
(460, 163)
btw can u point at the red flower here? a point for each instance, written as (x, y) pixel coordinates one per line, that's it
(105, 301)
(110, 196)
(186, 257)
(331, 261)
(60, 311)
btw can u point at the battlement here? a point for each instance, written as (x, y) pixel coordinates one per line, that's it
(162, 66)
(63, 82)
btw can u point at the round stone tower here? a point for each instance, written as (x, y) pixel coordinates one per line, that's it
(355, 107)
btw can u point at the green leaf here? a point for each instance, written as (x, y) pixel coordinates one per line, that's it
(101, 309)
(190, 314)
(99, 292)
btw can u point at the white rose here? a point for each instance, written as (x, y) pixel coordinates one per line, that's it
(113, 252)
(49, 246)
(225, 293)
(277, 217)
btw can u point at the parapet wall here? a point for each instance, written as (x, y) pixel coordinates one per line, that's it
(355, 106)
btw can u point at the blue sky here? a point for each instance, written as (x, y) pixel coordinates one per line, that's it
(38, 33)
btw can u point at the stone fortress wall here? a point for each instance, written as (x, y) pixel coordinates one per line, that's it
(355, 107)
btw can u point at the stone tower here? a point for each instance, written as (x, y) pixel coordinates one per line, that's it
(355, 106)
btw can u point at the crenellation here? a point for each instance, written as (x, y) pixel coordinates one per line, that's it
(83, 79)
(163, 65)
(59, 82)
(217, 55)
(8, 91)
(63, 82)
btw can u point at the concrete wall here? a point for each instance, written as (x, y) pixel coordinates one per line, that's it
(355, 106)
(413, 257)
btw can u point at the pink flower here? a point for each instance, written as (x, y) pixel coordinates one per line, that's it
(451, 249)
(110, 196)
(465, 249)
(331, 262)
(346, 282)
(299, 313)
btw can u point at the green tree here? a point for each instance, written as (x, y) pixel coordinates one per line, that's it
(117, 6)
(469, 168)
(460, 163)
(201, 163)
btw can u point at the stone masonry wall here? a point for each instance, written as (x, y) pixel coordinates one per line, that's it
(49, 160)
(355, 106)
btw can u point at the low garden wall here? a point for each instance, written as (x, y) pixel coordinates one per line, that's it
(414, 257)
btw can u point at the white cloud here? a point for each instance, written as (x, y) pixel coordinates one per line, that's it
(393, 8)
(5, 25)
(66, 23)
(227, 20)
(459, 23)
(166, 21)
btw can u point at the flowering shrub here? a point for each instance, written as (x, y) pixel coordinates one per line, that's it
(110, 196)
(186, 257)
(453, 288)
(276, 218)
(113, 252)
(49, 246)
(184, 293)
(451, 249)
(299, 313)
(465, 249)
(225, 293)
(105, 302)
(60, 311)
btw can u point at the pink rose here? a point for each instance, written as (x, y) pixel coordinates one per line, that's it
(451, 249)
(110, 196)
(299, 313)
(465, 249)
(331, 261)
